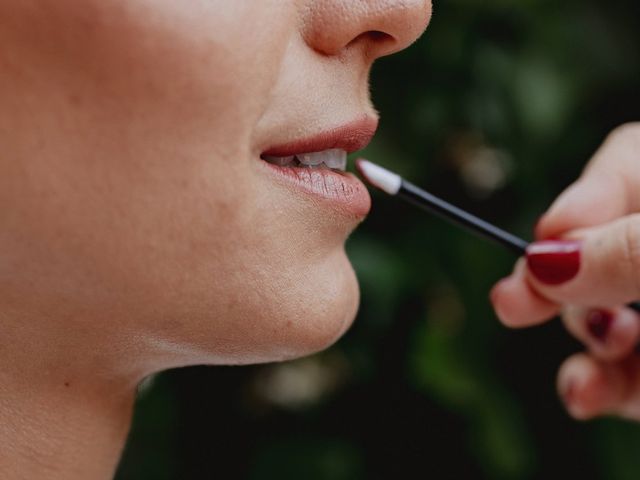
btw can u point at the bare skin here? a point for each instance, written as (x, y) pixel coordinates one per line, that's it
(138, 231)
(601, 211)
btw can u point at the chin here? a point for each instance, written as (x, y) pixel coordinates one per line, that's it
(310, 314)
(329, 313)
(277, 310)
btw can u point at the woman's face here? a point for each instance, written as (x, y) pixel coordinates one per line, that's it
(135, 208)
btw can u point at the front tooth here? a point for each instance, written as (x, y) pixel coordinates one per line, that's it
(280, 161)
(311, 159)
(336, 158)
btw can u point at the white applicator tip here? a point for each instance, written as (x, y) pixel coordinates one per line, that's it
(379, 177)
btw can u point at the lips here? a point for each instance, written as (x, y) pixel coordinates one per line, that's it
(315, 166)
(350, 137)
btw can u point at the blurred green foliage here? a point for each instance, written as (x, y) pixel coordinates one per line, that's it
(497, 109)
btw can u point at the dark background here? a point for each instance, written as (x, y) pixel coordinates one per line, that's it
(497, 109)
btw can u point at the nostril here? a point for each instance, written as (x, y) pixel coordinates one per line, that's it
(378, 36)
(374, 27)
(381, 40)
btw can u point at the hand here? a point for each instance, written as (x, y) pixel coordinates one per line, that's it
(586, 274)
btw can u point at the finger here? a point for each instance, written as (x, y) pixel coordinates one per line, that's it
(517, 304)
(609, 334)
(607, 189)
(600, 266)
(590, 388)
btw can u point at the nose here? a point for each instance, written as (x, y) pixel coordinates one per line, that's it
(380, 27)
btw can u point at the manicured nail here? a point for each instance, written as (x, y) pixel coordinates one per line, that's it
(599, 323)
(554, 261)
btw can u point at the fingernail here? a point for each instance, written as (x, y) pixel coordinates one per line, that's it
(599, 323)
(554, 261)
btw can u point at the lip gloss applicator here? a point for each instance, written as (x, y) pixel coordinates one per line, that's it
(395, 185)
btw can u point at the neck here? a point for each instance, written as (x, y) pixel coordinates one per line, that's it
(67, 391)
(56, 428)
(65, 406)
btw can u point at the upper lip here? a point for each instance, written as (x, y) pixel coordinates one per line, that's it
(350, 137)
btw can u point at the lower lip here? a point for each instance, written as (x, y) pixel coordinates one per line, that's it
(341, 191)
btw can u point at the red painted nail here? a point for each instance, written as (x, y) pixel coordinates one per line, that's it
(599, 323)
(554, 261)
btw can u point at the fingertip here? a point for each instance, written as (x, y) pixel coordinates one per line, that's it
(609, 334)
(585, 203)
(539, 229)
(561, 216)
(625, 333)
(496, 297)
(550, 226)
(581, 387)
(517, 305)
(590, 388)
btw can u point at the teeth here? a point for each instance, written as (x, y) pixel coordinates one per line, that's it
(334, 158)
(311, 159)
(281, 161)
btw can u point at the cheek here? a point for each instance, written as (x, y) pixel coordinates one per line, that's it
(138, 196)
(119, 111)
(156, 69)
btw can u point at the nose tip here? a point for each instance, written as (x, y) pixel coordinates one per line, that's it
(383, 26)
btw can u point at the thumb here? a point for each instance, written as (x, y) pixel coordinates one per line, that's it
(587, 202)
(607, 189)
(596, 267)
